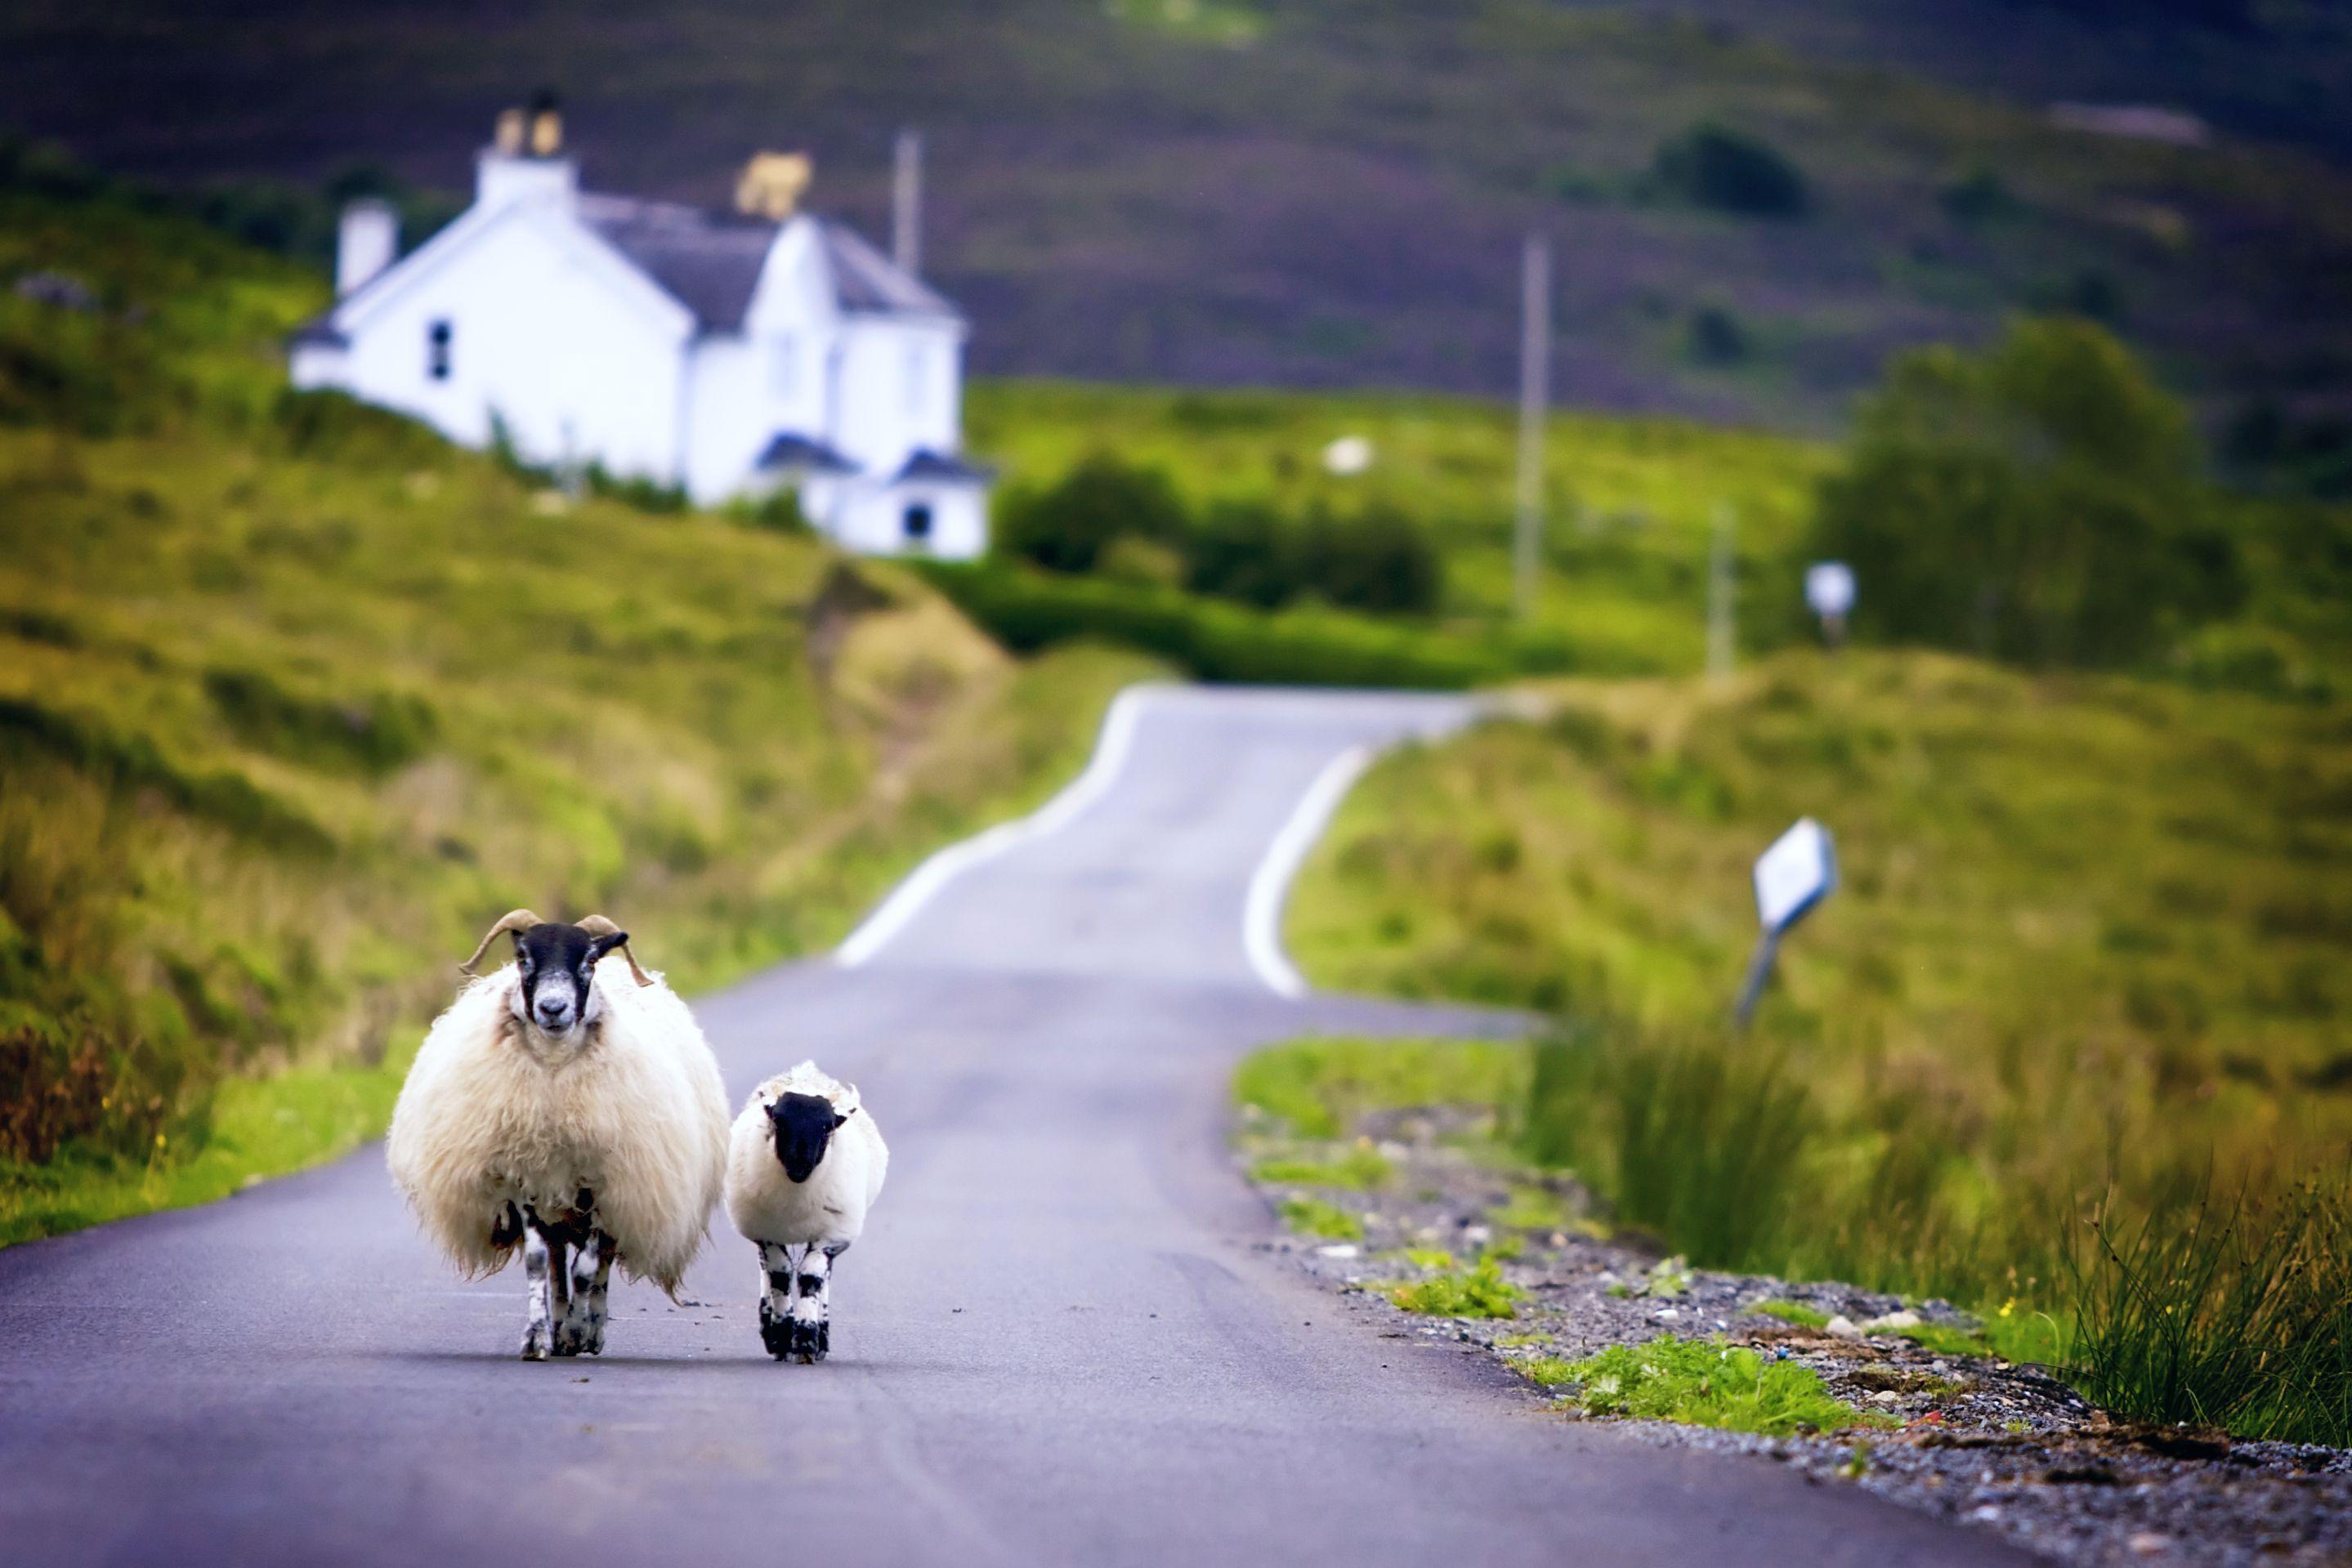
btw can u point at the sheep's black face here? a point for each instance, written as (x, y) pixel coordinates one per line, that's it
(802, 1125)
(557, 966)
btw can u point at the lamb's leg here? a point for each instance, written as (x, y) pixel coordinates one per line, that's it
(778, 1270)
(539, 1270)
(583, 1329)
(812, 1325)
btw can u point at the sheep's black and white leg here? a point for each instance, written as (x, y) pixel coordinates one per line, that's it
(542, 1264)
(582, 1328)
(779, 1271)
(812, 1335)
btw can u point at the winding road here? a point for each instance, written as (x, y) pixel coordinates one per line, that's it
(1060, 1342)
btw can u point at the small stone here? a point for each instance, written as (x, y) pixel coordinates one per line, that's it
(1988, 1514)
(1338, 1249)
(1883, 1396)
(2149, 1543)
(1840, 1327)
(1668, 1314)
(1905, 1319)
(1476, 1235)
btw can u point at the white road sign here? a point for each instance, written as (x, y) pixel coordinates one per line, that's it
(1794, 875)
(1829, 587)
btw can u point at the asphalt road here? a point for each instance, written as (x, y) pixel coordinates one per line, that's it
(1058, 1342)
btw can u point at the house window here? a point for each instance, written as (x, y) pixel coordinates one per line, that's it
(436, 350)
(784, 366)
(917, 525)
(919, 375)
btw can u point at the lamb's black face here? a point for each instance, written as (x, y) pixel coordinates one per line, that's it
(802, 1125)
(557, 964)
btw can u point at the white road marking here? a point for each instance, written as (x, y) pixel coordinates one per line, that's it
(907, 899)
(1270, 884)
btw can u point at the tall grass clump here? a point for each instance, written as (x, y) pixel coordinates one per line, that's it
(2234, 1313)
(1690, 1141)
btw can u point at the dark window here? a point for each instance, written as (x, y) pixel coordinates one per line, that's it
(917, 524)
(436, 350)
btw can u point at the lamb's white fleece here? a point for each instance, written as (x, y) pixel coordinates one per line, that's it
(829, 1208)
(635, 1111)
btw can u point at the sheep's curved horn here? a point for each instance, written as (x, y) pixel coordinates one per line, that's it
(512, 920)
(597, 926)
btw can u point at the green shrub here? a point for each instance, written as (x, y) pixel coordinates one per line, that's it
(1243, 550)
(2039, 503)
(1314, 1216)
(1376, 562)
(1732, 172)
(1216, 641)
(1067, 527)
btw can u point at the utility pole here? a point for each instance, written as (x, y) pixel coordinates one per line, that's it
(1722, 626)
(906, 203)
(1534, 395)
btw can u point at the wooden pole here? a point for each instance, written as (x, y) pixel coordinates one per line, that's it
(1534, 395)
(1722, 625)
(906, 203)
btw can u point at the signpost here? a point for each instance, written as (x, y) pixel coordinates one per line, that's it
(1798, 872)
(1829, 590)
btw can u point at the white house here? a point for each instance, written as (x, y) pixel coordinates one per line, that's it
(728, 354)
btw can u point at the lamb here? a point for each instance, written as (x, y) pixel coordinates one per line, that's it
(805, 1164)
(558, 1108)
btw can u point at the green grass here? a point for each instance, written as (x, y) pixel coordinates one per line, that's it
(1321, 1088)
(1796, 1312)
(1707, 1383)
(1315, 1217)
(1361, 1169)
(295, 698)
(1476, 1293)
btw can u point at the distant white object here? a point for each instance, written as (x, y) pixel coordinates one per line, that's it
(1348, 456)
(1829, 589)
(2133, 122)
(730, 354)
(1794, 875)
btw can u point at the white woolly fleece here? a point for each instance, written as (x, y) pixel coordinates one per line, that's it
(829, 1207)
(635, 1113)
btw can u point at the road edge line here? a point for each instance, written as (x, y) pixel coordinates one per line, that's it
(1269, 887)
(906, 901)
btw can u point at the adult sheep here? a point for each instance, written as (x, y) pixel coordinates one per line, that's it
(563, 1107)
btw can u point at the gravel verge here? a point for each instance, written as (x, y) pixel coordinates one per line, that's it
(1967, 1436)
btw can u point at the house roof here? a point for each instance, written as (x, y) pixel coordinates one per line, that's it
(788, 449)
(711, 264)
(865, 279)
(926, 464)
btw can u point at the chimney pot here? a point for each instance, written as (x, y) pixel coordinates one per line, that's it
(509, 135)
(772, 184)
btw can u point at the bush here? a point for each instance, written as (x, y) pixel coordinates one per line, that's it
(1713, 166)
(1717, 338)
(1242, 551)
(2038, 503)
(1027, 610)
(1378, 562)
(1067, 528)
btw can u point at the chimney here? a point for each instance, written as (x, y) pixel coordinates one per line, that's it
(907, 205)
(365, 243)
(525, 159)
(772, 184)
(546, 124)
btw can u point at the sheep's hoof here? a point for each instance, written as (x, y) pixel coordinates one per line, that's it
(812, 1341)
(580, 1336)
(776, 1335)
(535, 1342)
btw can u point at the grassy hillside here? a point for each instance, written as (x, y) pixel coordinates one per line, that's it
(295, 698)
(1333, 194)
(2089, 961)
